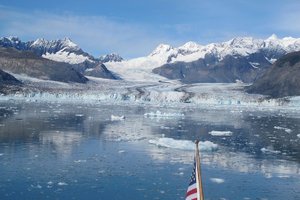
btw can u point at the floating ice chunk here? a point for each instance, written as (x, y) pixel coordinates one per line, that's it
(183, 144)
(159, 114)
(38, 186)
(62, 183)
(117, 118)
(79, 115)
(50, 183)
(1, 154)
(269, 151)
(217, 180)
(79, 161)
(121, 151)
(282, 128)
(298, 135)
(283, 176)
(220, 133)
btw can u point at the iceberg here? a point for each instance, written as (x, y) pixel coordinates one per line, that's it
(117, 118)
(220, 133)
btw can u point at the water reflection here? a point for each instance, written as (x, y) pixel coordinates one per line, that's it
(80, 146)
(61, 142)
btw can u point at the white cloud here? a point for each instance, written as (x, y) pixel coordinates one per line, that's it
(96, 34)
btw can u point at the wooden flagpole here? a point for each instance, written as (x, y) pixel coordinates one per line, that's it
(198, 164)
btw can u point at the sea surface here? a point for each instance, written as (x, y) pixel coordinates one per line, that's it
(74, 151)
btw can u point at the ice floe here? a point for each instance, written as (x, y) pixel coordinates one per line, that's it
(79, 161)
(159, 114)
(220, 133)
(183, 144)
(269, 150)
(117, 118)
(62, 183)
(217, 180)
(283, 128)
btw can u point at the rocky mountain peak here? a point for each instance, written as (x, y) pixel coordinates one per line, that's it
(272, 37)
(161, 49)
(113, 57)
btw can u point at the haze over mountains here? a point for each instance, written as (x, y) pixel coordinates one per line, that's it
(242, 59)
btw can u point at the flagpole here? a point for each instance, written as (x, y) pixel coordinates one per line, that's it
(198, 165)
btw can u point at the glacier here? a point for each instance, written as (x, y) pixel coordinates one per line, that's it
(170, 94)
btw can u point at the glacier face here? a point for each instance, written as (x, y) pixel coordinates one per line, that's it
(161, 94)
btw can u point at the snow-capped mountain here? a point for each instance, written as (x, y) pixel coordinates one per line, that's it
(240, 46)
(63, 50)
(242, 58)
(111, 58)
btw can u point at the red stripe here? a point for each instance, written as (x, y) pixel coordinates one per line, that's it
(193, 191)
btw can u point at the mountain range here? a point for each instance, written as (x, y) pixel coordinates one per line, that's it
(64, 51)
(242, 59)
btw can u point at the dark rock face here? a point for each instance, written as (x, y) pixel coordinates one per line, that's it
(282, 79)
(7, 79)
(210, 70)
(26, 62)
(100, 71)
(110, 58)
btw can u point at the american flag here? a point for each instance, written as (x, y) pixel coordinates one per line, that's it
(192, 191)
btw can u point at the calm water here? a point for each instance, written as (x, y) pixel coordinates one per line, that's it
(56, 151)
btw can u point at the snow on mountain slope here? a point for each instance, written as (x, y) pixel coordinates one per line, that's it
(141, 68)
(64, 50)
(67, 57)
(138, 69)
(61, 50)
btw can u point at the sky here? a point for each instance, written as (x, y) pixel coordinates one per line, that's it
(134, 28)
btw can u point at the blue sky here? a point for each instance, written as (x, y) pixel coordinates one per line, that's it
(135, 27)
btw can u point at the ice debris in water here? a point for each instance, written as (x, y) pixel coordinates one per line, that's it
(62, 183)
(79, 161)
(38, 186)
(269, 150)
(117, 118)
(282, 128)
(220, 133)
(217, 180)
(183, 144)
(298, 135)
(159, 114)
